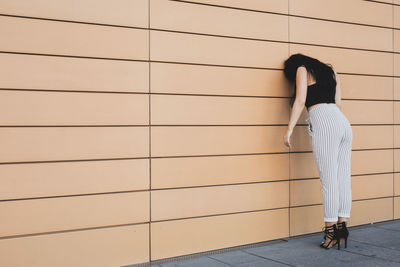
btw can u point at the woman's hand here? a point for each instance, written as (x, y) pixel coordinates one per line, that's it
(287, 138)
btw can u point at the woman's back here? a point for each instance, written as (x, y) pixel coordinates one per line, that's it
(320, 92)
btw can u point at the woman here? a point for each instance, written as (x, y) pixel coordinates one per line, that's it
(317, 87)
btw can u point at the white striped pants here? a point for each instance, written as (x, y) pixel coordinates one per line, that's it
(331, 139)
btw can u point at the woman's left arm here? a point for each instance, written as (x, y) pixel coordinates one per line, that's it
(299, 103)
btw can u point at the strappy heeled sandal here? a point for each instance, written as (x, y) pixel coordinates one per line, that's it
(343, 232)
(333, 234)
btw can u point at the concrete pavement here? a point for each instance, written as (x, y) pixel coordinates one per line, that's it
(368, 245)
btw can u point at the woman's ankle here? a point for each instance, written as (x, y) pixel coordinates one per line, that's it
(330, 223)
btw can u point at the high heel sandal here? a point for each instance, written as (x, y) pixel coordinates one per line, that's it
(343, 232)
(332, 233)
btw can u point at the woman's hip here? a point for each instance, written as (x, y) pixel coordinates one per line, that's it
(326, 118)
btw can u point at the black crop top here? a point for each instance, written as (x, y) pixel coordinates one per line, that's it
(320, 93)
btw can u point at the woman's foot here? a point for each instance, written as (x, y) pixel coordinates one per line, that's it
(331, 235)
(328, 243)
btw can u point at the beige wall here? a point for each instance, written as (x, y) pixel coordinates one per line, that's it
(137, 130)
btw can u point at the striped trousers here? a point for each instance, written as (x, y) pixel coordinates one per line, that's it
(331, 138)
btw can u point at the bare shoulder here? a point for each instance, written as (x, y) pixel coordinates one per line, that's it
(334, 71)
(301, 70)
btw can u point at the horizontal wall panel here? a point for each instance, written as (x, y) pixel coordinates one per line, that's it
(365, 161)
(72, 143)
(68, 73)
(68, 178)
(308, 219)
(396, 208)
(396, 41)
(106, 247)
(197, 140)
(372, 210)
(200, 171)
(365, 111)
(302, 165)
(300, 139)
(192, 48)
(182, 237)
(351, 35)
(343, 10)
(370, 137)
(308, 192)
(365, 87)
(73, 39)
(217, 80)
(68, 213)
(66, 108)
(396, 136)
(397, 88)
(396, 184)
(396, 69)
(195, 110)
(202, 201)
(372, 186)
(364, 137)
(178, 16)
(305, 192)
(349, 60)
(261, 5)
(396, 112)
(396, 160)
(124, 12)
(396, 21)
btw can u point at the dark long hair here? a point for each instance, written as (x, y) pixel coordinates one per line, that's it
(322, 72)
